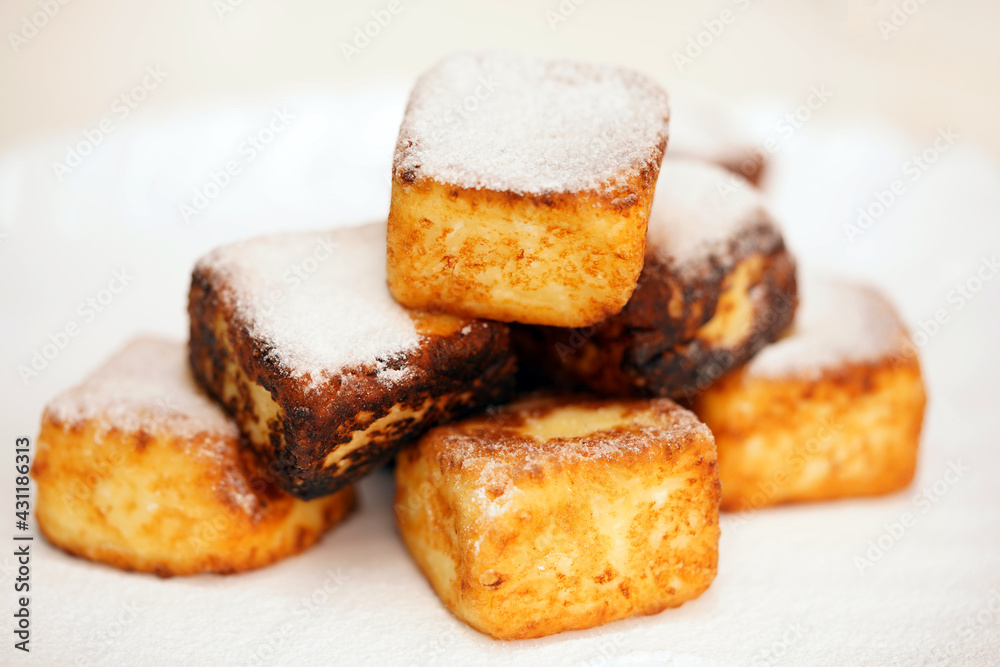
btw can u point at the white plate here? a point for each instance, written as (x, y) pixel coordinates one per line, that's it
(790, 588)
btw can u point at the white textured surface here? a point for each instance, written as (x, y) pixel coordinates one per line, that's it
(503, 121)
(319, 300)
(787, 580)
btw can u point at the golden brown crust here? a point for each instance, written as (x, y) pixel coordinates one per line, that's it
(318, 440)
(561, 258)
(848, 431)
(556, 514)
(681, 330)
(169, 504)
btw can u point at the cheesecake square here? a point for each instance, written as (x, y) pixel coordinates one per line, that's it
(326, 375)
(561, 513)
(521, 188)
(833, 409)
(139, 469)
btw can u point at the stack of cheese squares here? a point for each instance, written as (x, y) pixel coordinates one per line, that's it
(514, 337)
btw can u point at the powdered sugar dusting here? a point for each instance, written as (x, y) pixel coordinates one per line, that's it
(496, 453)
(318, 300)
(392, 376)
(505, 433)
(147, 386)
(509, 122)
(836, 323)
(697, 209)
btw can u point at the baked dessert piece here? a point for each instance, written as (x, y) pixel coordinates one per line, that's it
(833, 409)
(703, 126)
(139, 469)
(718, 284)
(556, 514)
(521, 188)
(298, 336)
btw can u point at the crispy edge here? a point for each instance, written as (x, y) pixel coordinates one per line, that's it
(232, 530)
(302, 427)
(657, 345)
(423, 475)
(845, 395)
(559, 212)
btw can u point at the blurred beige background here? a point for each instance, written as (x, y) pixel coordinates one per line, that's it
(921, 64)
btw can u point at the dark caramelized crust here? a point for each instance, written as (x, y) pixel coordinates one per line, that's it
(670, 307)
(681, 330)
(318, 438)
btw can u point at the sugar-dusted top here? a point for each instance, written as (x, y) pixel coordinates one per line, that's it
(534, 431)
(146, 386)
(509, 122)
(836, 323)
(697, 210)
(499, 450)
(319, 300)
